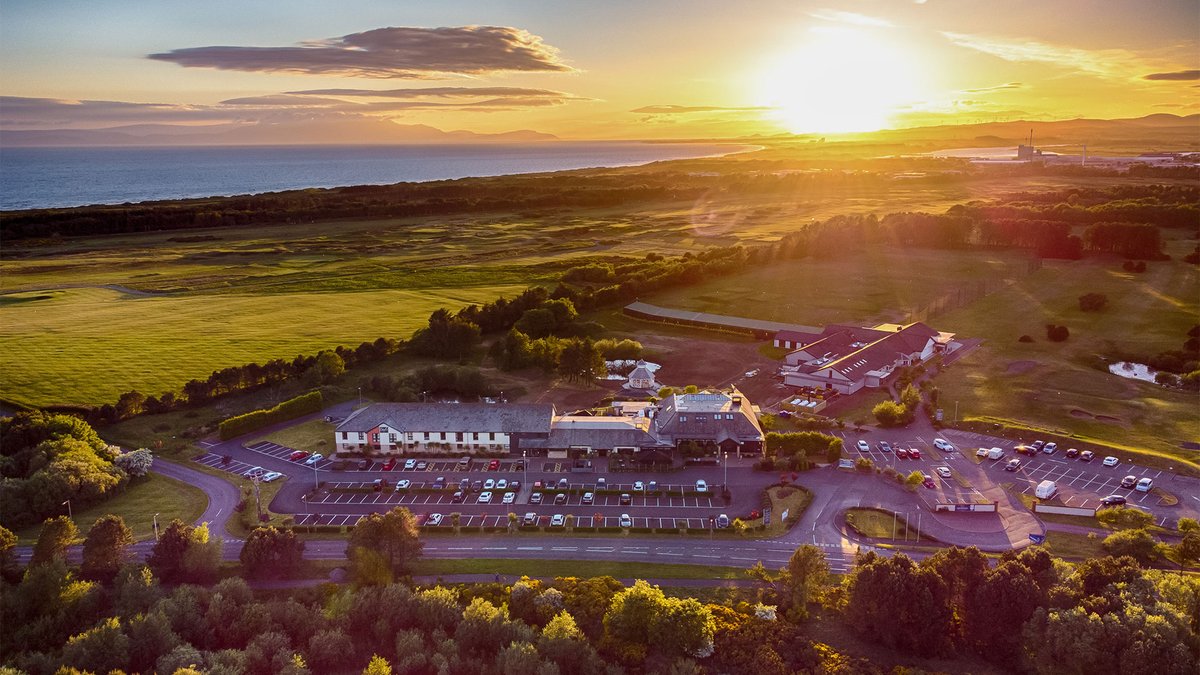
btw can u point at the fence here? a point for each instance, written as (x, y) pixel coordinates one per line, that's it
(960, 297)
(989, 507)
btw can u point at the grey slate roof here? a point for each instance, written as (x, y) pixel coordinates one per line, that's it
(717, 319)
(706, 417)
(493, 417)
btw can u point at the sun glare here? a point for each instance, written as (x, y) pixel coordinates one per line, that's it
(839, 80)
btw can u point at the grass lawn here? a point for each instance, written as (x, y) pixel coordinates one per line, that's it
(1072, 545)
(576, 568)
(167, 497)
(312, 436)
(878, 524)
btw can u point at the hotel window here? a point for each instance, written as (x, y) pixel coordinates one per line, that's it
(458, 437)
(345, 435)
(683, 418)
(374, 438)
(491, 436)
(409, 435)
(475, 436)
(362, 436)
(443, 435)
(392, 437)
(728, 416)
(382, 428)
(426, 435)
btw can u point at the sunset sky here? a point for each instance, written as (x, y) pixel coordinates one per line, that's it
(596, 70)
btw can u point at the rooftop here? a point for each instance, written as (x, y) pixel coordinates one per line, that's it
(497, 417)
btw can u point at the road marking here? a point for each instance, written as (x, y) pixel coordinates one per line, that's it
(698, 555)
(493, 548)
(529, 548)
(565, 548)
(668, 553)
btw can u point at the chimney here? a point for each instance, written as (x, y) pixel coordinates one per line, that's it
(737, 401)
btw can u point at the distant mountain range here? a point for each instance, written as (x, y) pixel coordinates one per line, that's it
(1162, 127)
(330, 132)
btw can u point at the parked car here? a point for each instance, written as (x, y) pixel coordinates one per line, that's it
(1023, 449)
(1113, 500)
(1144, 485)
(298, 455)
(884, 446)
(529, 519)
(1013, 464)
(484, 498)
(493, 465)
(314, 458)
(270, 476)
(379, 484)
(914, 453)
(1087, 456)
(626, 500)
(639, 486)
(535, 498)
(489, 484)
(588, 498)
(439, 483)
(509, 498)
(255, 472)
(652, 486)
(563, 484)
(389, 464)
(537, 485)
(464, 463)
(995, 453)
(464, 484)
(943, 471)
(477, 485)
(943, 444)
(601, 483)
(502, 484)
(1072, 453)
(901, 453)
(1128, 481)
(514, 485)
(560, 498)
(626, 521)
(558, 520)
(722, 520)
(701, 486)
(863, 447)
(410, 464)
(982, 452)
(421, 466)
(1111, 461)
(403, 484)
(458, 497)
(365, 464)
(1037, 445)
(434, 519)
(927, 481)
(519, 465)
(1050, 448)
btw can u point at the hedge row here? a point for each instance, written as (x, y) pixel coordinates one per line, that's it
(257, 419)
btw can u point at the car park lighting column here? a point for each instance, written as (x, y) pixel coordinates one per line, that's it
(525, 465)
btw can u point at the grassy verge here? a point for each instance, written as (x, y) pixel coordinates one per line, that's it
(313, 436)
(139, 502)
(1072, 545)
(1082, 521)
(878, 524)
(239, 524)
(577, 568)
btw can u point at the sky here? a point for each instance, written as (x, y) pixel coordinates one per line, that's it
(611, 69)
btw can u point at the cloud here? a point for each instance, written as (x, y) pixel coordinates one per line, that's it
(998, 87)
(1114, 63)
(440, 92)
(839, 16)
(23, 111)
(1174, 76)
(394, 52)
(685, 109)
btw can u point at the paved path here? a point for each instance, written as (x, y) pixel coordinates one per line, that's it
(223, 496)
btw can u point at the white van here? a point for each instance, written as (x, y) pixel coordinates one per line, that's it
(1046, 489)
(1144, 485)
(995, 453)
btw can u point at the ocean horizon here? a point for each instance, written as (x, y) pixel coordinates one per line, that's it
(59, 177)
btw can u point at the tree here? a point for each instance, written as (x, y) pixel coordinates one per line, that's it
(1008, 596)
(185, 553)
(1187, 551)
(272, 552)
(57, 534)
(683, 626)
(445, 336)
(328, 367)
(898, 603)
(104, 548)
(9, 569)
(563, 644)
(378, 666)
(101, 649)
(805, 576)
(150, 636)
(632, 613)
(328, 650)
(393, 535)
(1057, 333)
(910, 397)
(1138, 544)
(580, 360)
(1125, 518)
(1092, 302)
(891, 414)
(136, 463)
(519, 658)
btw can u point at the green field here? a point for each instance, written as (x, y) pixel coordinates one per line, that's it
(312, 436)
(167, 497)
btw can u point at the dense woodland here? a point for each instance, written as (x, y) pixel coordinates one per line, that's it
(1026, 612)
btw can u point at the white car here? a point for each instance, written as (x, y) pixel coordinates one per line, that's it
(502, 484)
(701, 486)
(1111, 461)
(639, 486)
(255, 472)
(484, 498)
(943, 471)
(943, 444)
(271, 475)
(626, 521)
(509, 497)
(489, 484)
(588, 498)
(557, 520)
(410, 465)
(863, 446)
(530, 519)
(982, 452)
(1144, 485)
(434, 519)
(314, 458)
(403, 484)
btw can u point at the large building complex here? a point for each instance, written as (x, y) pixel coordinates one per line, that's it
(705, 422)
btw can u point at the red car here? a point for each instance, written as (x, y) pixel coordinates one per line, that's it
(928, 482)
(901, 453)
(298, 455)
(390, 464)
(493, 465)
(914, 453)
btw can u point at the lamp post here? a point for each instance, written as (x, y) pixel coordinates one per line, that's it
(156, 527)
(525, 464)
(316, 485)
(68, 505)
(360, 395)
(725, 461)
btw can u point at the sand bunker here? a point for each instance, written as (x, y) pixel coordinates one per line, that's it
(1020, 367)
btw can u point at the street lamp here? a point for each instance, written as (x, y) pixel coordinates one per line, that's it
(68, 505)
(156, 527)
(725, 461)
(525, 464)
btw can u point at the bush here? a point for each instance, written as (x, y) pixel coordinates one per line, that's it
(1092, 302)
(891, 414)
(257, 419)
(1025, 338)
(1057, 333)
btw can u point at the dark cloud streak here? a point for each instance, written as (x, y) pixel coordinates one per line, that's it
(394, 52)
(1178, 75)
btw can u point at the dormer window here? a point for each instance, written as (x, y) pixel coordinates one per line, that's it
(683, 418)
(383, 429)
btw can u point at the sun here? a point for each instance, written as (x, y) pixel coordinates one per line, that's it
(839, 80)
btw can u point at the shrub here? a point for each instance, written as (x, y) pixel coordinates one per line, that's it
(1092, 302)
(1057, 333)
(257, 419)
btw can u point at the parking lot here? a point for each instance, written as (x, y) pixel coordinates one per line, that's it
(478, 464)
(543, 520)
(283, 452)
(217, 462)
(334, 494)
(1081, 484)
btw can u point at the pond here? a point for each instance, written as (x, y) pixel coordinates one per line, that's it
(1133, 371)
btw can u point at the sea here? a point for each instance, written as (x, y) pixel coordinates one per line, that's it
(34, 178)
